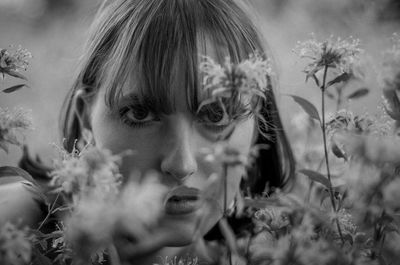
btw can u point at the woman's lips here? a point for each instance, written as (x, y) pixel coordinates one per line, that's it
(182, 200)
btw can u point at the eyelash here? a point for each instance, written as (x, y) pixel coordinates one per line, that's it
(210, 126)
(123, 116)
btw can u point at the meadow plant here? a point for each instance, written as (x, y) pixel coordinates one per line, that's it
(12, 62)
(348, 213)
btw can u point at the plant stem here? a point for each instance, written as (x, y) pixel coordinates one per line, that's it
(326, 151)
(225, 176)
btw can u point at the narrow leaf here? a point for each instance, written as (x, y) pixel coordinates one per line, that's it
(16, 74)
(316, 177)
(13, 88)
(341, 78)
(308, 107)
(358, 93)
(338, 152)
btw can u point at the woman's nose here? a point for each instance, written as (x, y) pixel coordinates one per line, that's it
(179, 159)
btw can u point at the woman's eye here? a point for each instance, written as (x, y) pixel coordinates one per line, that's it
(214, 119)
(137, 116)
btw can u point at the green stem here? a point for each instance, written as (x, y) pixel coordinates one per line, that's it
(332, 197)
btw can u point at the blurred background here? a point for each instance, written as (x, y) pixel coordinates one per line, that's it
(54, 31)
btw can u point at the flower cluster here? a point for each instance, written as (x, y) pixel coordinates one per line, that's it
(15, 245)
(11, 62)
(12, 123)
(230, 83)
(101, 206)
(391, 79)
(340, 54)
(91, 171)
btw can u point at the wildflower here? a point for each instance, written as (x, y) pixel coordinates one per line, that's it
(91, 226)
(15, 245)
(333, 53)
(346, 121)
(273, 219)
(371, 148)
(11, 63)
(391, 196)
(12, 123)
(141, 204)
(225, 154)
(391, 79)
(91, 171)
(178, 261)
(248, 80)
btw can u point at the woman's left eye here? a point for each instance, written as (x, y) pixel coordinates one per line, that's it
(137, 116)
(214, 119)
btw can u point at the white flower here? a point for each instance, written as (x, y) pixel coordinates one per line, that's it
(91, 171)
(12, 123)
(341, 54)
(141, 204)
(15, 245)
(231, 83)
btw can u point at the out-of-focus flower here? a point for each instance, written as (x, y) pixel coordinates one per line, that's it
(341, 54)
(12, 123)
(391, 79)
(141, 204)
(225, 154)
(370, 148)
(91, 226)
(178, 261)
(12, 62)
(231, 83)
(346, 121)
(273, 219)
(391, 194)
(15, 245)
(346, 221)
(91, 171)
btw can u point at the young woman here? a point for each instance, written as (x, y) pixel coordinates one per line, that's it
(139, 88)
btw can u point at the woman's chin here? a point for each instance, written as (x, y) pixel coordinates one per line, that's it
(184, 228)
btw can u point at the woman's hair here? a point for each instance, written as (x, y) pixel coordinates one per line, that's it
(153, 40)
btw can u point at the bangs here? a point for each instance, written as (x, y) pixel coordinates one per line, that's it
(157, 49)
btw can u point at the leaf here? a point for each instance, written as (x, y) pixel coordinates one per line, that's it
(341, 78)
(316, 177)
(338, 152)
(13, 88)
(330, 95)
(358, 93)
(316, 80)
(15, 171)
(307, 106)
(15, 74)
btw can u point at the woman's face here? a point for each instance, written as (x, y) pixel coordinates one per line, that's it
(172, 144)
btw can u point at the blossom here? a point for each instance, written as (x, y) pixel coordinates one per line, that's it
(93, 170)
(341, 54)
(15, 245)
(12, 62)
(12, 123)
(391, 195)
(141, 204)
(346, 121)
(248, 80)
(91, 226)
(223, 153)
(178, 261)
(391, 79)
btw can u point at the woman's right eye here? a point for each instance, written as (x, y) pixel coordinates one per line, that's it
(137, 116)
